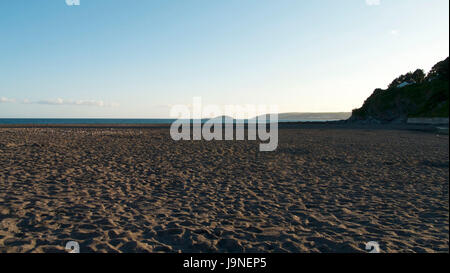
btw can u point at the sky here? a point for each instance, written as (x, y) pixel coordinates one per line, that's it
(138, 58)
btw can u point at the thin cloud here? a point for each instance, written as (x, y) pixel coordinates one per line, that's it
(7, 100)
(373, 2)
(395, 32)
(60, 101)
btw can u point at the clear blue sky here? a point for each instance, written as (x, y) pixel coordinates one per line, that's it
(135, 58)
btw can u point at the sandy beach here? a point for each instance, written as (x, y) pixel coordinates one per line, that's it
(137, 190)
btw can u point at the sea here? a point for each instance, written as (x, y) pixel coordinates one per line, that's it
(48, 121)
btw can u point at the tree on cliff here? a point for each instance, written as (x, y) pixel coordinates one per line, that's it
(417, 76)
(439, 70)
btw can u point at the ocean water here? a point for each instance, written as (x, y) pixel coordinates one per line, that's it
(46, 121)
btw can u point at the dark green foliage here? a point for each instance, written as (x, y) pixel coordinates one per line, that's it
(417, 76)
(439, 70)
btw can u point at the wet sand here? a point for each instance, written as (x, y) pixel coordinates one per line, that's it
(136, 190)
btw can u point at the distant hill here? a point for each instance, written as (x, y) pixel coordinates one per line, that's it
(411, 95)
(313, 116)
(220, 118)
(301, 116)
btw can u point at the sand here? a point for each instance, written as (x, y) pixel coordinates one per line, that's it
(136, 190)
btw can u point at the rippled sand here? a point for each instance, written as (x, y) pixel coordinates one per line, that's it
(136, 190)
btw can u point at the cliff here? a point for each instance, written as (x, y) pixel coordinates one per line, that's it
(410, 95)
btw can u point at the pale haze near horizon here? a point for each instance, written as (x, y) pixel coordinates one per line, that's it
(134, 59)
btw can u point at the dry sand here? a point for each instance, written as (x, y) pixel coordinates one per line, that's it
(136, 190)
